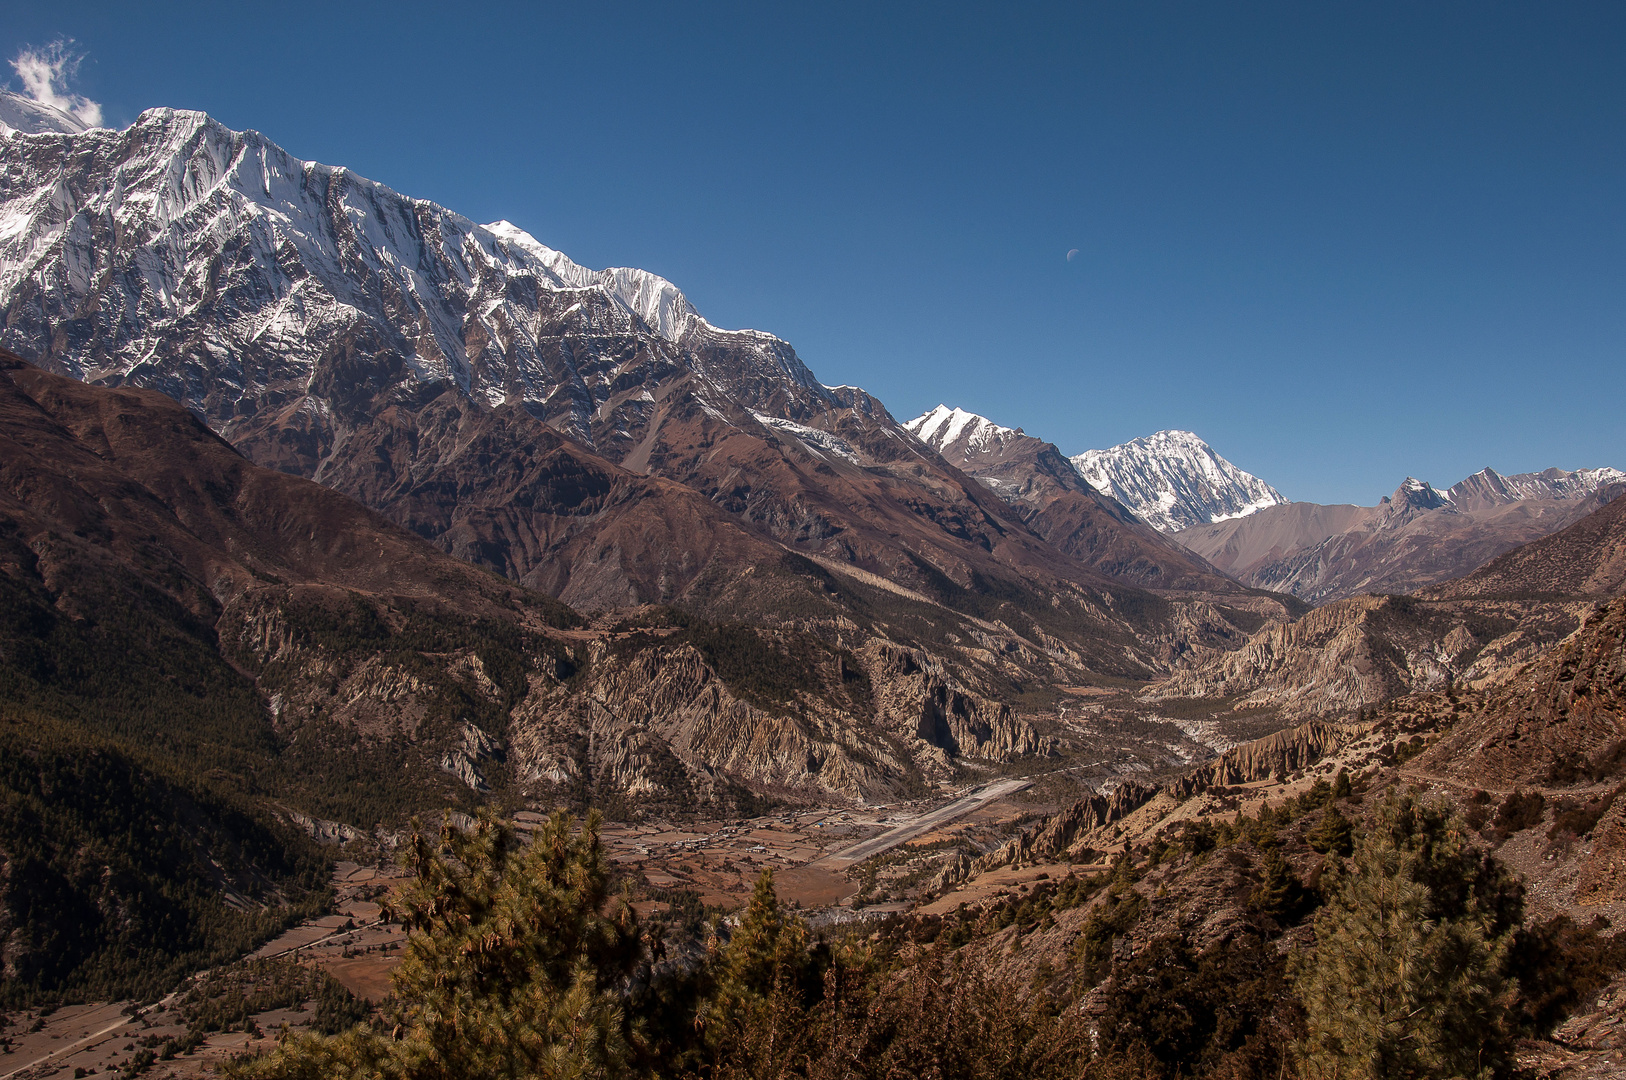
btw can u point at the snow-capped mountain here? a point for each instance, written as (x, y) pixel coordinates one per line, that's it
(1173, 480)
(331, 327)
(1059, 504)
(18, 113)
(951, 431)
(216, 256)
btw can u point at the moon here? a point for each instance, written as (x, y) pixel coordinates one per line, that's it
(1072, 254)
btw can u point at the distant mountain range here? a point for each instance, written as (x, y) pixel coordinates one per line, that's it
(1243, 527)
(1414, 538)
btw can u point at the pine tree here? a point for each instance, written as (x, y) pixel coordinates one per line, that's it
(767, 948)
(756, 1016)
(509, 969)
(1333, 834)
(1281, 895)
(1408, 974)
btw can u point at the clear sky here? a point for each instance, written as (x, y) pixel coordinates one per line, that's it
(1344, 242)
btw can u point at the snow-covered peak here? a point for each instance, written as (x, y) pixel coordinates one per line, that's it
(651, 297)
(1173, 480)
(179, 221)
(943, 428)
(30, 117)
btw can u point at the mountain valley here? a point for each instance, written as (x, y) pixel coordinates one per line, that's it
(326, 512)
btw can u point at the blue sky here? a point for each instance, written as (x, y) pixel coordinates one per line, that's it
(1343, 242)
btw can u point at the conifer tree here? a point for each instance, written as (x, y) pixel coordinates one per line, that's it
(509, 965)
(1281, 895)
(1408, 974)
(756, 1017)
(1333, 834)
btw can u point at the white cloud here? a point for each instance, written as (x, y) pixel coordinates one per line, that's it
(45, 73)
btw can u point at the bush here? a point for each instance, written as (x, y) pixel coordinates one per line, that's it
(1572, 819)
(1519, 811)
(1559, 965)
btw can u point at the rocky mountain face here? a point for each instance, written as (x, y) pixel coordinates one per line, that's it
(1586, 559)
(1417, 537)
(1060, 505)
(1351, 654)
(1476, 631)
(162, 591)
(161, 588)
(1173, 480)
(585, 432)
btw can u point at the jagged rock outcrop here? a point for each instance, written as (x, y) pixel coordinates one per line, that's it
(1275, 755)
(1061, 832)
(1057, 836)
(918, 699)
(1353, 653)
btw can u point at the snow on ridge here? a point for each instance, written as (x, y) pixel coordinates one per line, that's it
(313, 250)
(659, 303)
(1173, 480)
(944, 427)
(29, 117)
(815, 439)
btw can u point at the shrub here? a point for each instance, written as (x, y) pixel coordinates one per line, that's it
(1519, 811)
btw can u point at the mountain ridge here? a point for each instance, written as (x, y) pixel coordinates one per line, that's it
(331, 328)
(1417, 537)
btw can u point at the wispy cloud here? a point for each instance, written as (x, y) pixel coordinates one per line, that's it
(45, 73)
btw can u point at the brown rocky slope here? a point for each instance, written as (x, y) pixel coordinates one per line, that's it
(333, 660)
(1415, 538)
